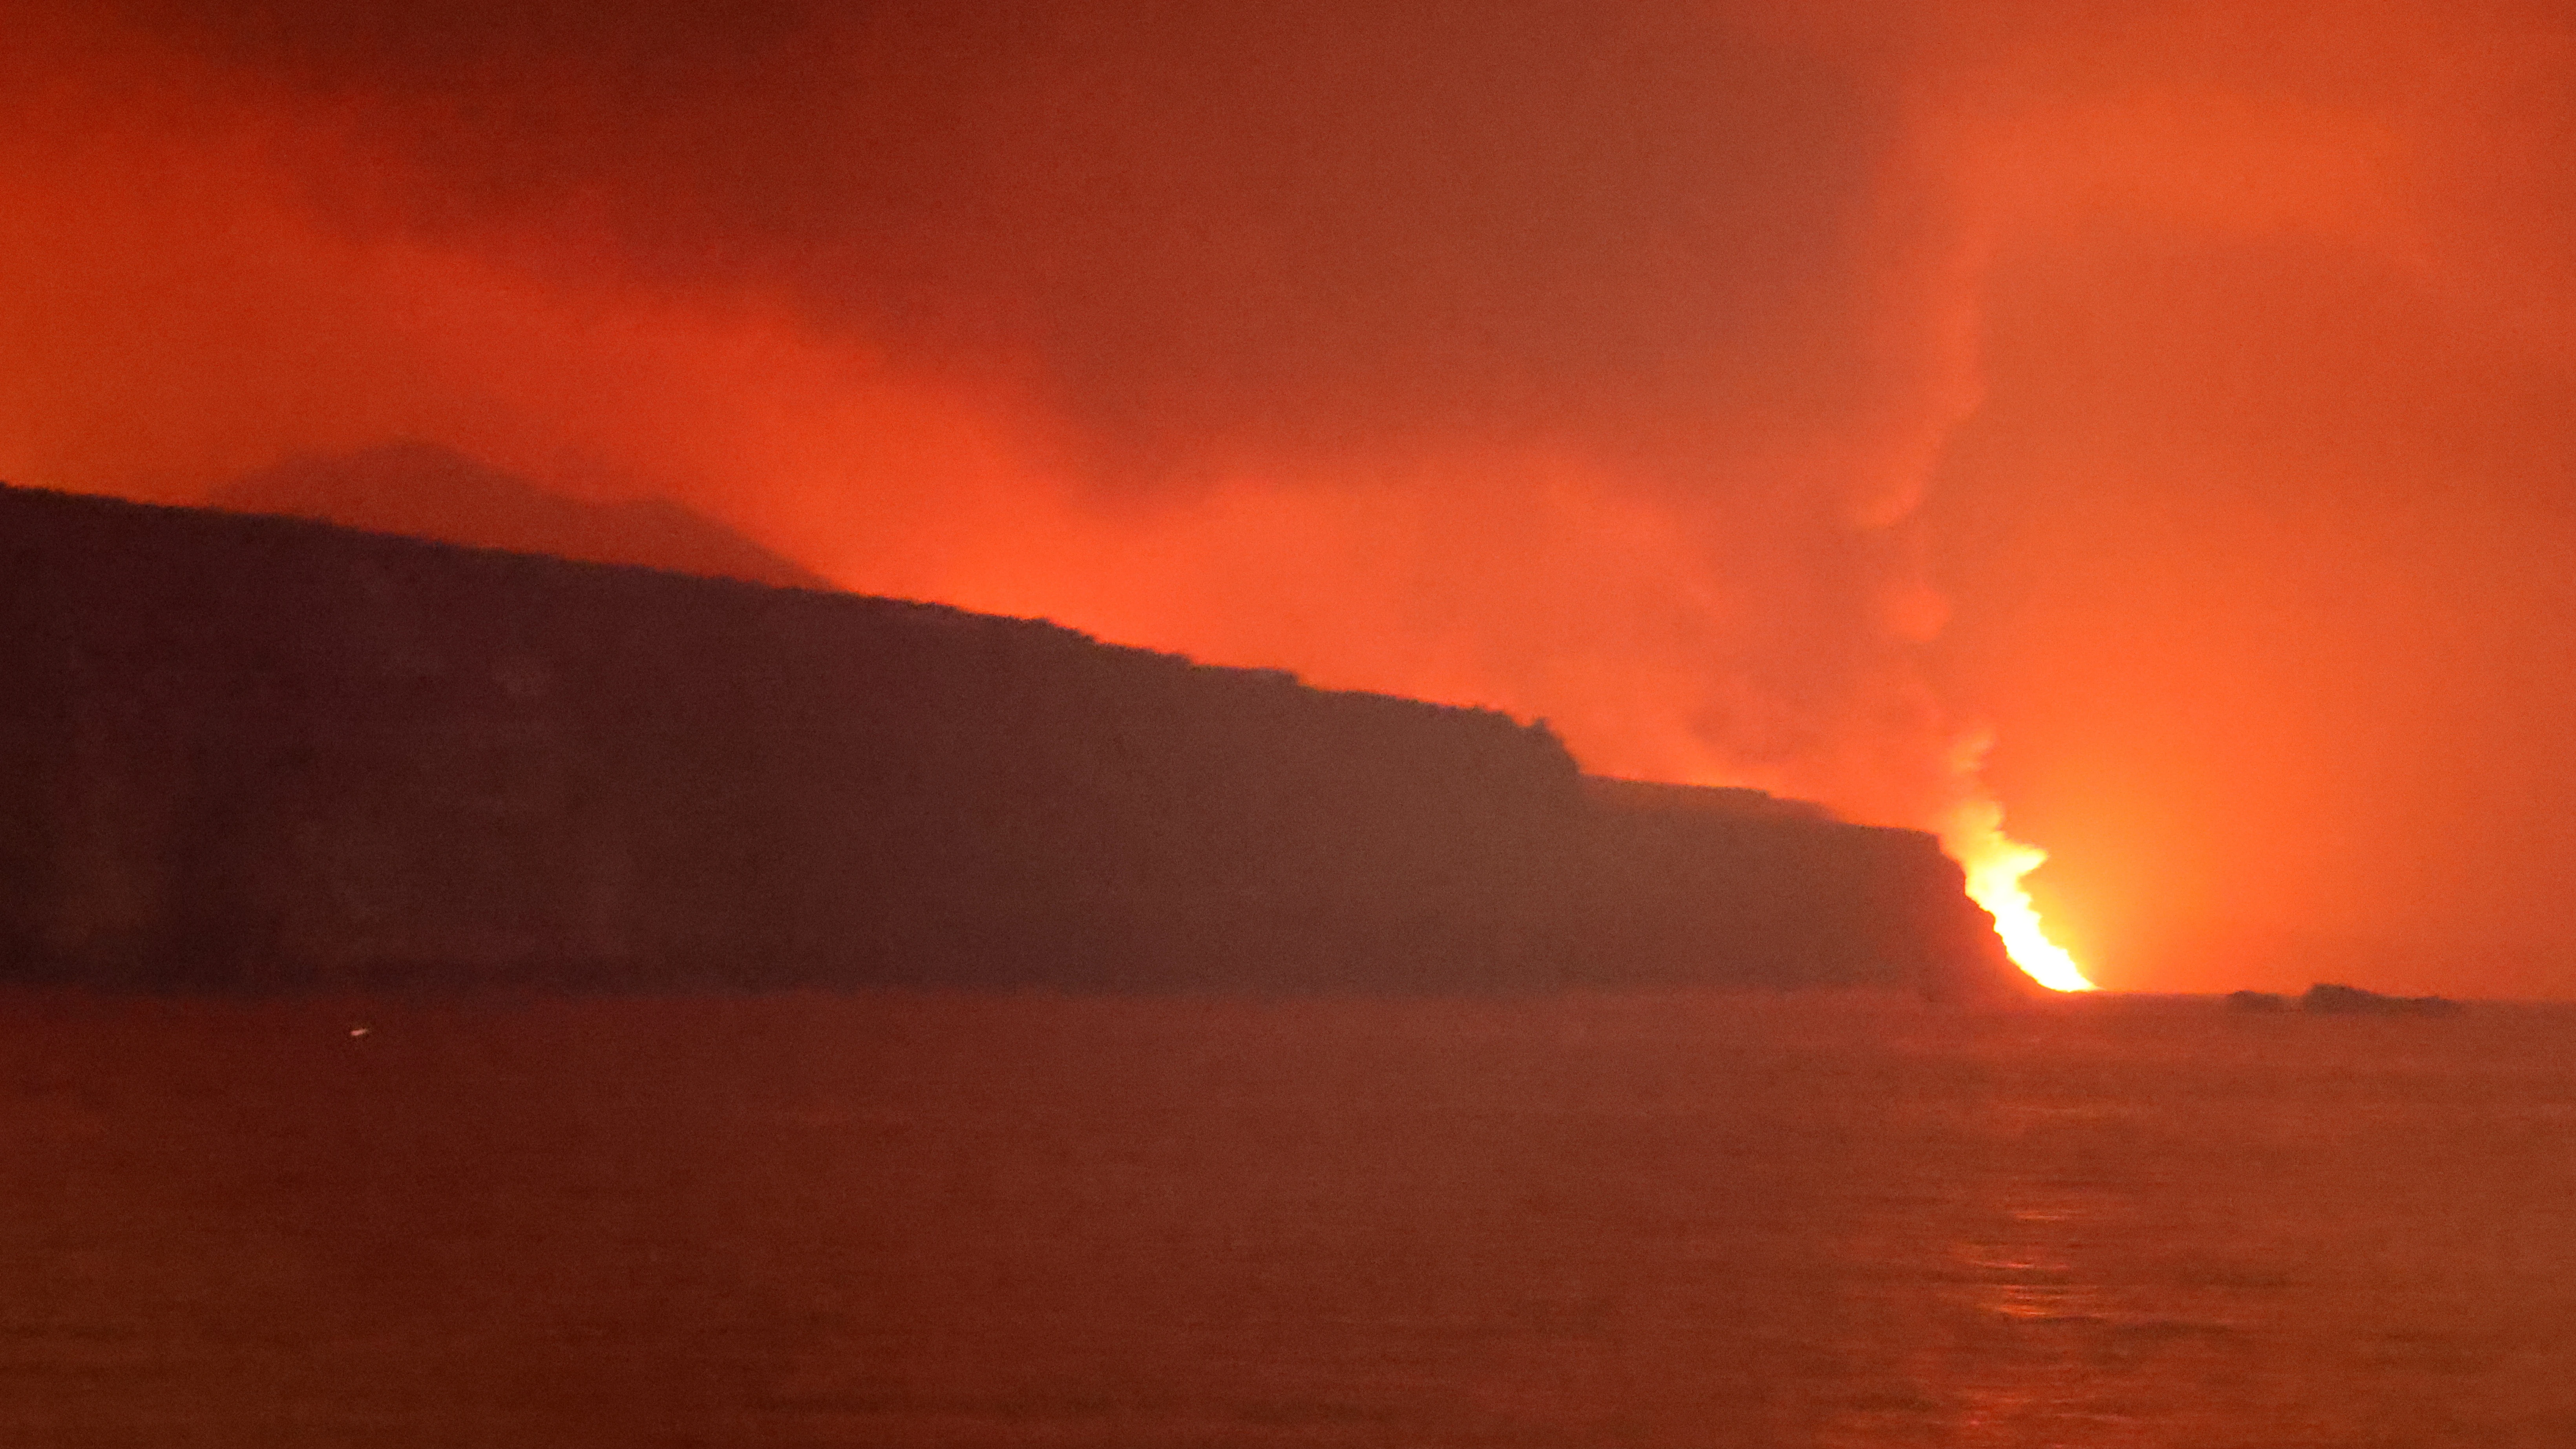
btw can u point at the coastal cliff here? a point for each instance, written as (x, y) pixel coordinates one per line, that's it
(245, 752)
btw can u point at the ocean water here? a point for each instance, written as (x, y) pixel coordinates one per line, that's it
(1578, 1221)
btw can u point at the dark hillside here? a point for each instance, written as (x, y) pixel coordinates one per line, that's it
(263, 752)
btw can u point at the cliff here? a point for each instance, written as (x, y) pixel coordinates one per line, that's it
(262, 752)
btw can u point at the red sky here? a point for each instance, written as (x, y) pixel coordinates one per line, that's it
(1763, 393)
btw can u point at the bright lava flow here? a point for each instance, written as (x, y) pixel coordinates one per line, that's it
(1995, 864)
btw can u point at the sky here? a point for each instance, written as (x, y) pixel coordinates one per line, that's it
(2149, 421)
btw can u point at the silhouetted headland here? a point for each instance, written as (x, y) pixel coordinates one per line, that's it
(2329, 999)
(2335, 1000)
(263, 753)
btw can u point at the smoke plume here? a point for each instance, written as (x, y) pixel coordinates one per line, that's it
(1588, 361)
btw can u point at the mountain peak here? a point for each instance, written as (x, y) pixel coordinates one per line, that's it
(428, 490)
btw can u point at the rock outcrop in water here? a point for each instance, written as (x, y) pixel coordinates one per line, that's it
(2257, 1001)
(2335, 1000)
(266, 753)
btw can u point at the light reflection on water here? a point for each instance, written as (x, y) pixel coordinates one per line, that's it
(1688, 1220)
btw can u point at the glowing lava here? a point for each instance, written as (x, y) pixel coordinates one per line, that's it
(1995, 864)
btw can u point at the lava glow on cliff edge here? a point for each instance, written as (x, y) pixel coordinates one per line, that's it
(1995, 864)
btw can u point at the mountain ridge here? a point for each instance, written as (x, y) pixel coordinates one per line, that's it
(425, 490)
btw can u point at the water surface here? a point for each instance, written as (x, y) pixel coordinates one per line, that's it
(1566, 1221)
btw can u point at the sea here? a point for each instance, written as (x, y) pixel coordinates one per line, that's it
(1580, 1220)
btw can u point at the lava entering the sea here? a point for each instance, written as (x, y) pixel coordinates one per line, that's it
(1995, 864)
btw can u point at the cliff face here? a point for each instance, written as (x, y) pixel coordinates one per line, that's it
(1799, 898)
(248, 751)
